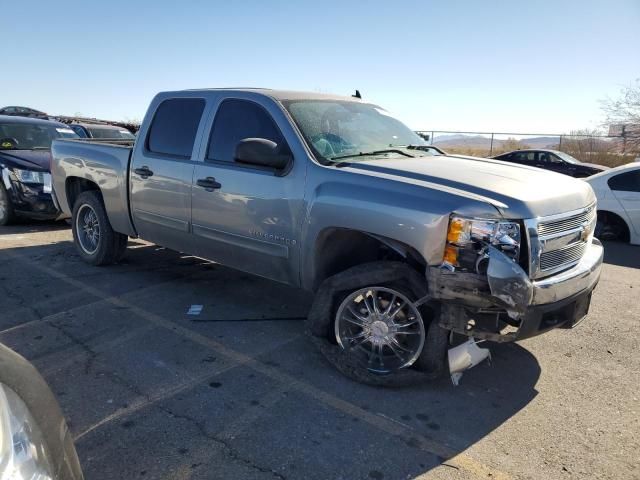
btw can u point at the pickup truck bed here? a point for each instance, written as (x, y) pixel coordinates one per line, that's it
(106, 164)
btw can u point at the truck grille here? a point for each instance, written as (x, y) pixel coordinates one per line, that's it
(567, 255)
(557, 226)
(558, 242)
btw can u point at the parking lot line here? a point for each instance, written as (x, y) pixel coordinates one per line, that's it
(448, 454)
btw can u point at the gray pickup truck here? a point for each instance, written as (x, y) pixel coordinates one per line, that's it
(405, 250)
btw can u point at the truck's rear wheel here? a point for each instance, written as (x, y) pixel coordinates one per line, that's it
(93, 236)
(365, 322)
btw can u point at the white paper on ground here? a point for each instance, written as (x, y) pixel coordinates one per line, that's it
(195, 310)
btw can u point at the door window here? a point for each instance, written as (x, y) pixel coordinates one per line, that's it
(524, 157)
(548, 158)
(174, 127)
(237, 120)
(625, 182)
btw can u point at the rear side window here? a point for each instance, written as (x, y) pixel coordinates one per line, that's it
(237, 120)
(626, 182)
(524, 156)
(174, 127)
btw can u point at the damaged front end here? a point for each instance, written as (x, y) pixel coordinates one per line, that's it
(485, 292)
(486, 306)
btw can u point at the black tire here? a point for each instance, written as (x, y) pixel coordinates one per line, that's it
(610, 227)
(7, 215)
(430, 365)
(110, 245)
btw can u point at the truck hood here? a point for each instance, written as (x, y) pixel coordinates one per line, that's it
(36, 160)
(517, 191)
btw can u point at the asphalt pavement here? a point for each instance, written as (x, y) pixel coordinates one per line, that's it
(238, 392)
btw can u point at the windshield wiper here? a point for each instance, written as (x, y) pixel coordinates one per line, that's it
(373, 153)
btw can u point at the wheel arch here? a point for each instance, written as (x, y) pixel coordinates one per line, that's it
(74, 186)
(608, 215)
(337, 249)
(116, 206)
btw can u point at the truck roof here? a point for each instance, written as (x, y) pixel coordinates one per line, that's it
(282, 94)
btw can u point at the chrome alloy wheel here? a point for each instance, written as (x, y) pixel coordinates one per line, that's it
(88, 229)
(380, 328)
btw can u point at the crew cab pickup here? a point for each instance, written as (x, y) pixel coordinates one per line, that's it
(336, 196)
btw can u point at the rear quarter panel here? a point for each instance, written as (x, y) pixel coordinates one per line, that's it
(106, 165)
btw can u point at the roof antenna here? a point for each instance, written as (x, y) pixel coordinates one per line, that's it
(357, 95)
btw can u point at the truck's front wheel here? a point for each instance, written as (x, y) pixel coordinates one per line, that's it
(366, 323)
(93, 236)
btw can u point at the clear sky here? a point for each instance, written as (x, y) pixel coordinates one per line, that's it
(523, 66)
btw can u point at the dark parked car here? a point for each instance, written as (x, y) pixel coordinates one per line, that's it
(23, 112)
(101, 131)
(25, 161)
(552, 160)
(35, 441)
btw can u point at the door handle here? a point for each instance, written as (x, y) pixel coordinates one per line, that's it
(209, 184)
(144, 172)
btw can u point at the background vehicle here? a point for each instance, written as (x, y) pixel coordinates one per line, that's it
(35, 441)
(25, 157)
(23, 112)
(101, 131)
(618, 192)
(333, 195)
(553, 160)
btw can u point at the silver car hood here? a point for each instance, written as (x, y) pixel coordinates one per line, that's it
(517, 191)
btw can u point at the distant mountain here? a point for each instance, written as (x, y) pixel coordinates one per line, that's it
(541, 142)
(482, 141)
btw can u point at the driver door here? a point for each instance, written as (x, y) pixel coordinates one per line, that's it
(244, 216)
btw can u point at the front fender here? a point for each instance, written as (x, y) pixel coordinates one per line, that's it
(413, 215)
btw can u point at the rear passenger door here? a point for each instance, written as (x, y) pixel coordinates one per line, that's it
(249, 217)
(162, 172)
(626, 188)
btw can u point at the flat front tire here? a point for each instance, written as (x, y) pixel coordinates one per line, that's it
(365, 322)
(96, 242)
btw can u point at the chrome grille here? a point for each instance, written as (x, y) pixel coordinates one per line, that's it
(558, 242)
(554, 227)
(566, 255)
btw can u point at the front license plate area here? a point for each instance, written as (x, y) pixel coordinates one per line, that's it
(580, 310)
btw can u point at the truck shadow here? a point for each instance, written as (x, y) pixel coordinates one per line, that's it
(23, 226)
(622, 254)
(418, 428)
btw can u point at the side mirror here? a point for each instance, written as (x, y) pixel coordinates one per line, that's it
(261, 152)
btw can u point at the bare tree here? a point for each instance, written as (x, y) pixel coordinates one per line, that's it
(514, 144)
(625, 110)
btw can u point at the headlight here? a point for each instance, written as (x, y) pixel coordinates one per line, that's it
(23, 453)
(28, 176)
(467, 239)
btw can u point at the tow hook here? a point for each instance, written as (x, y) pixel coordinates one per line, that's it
(465, 356)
